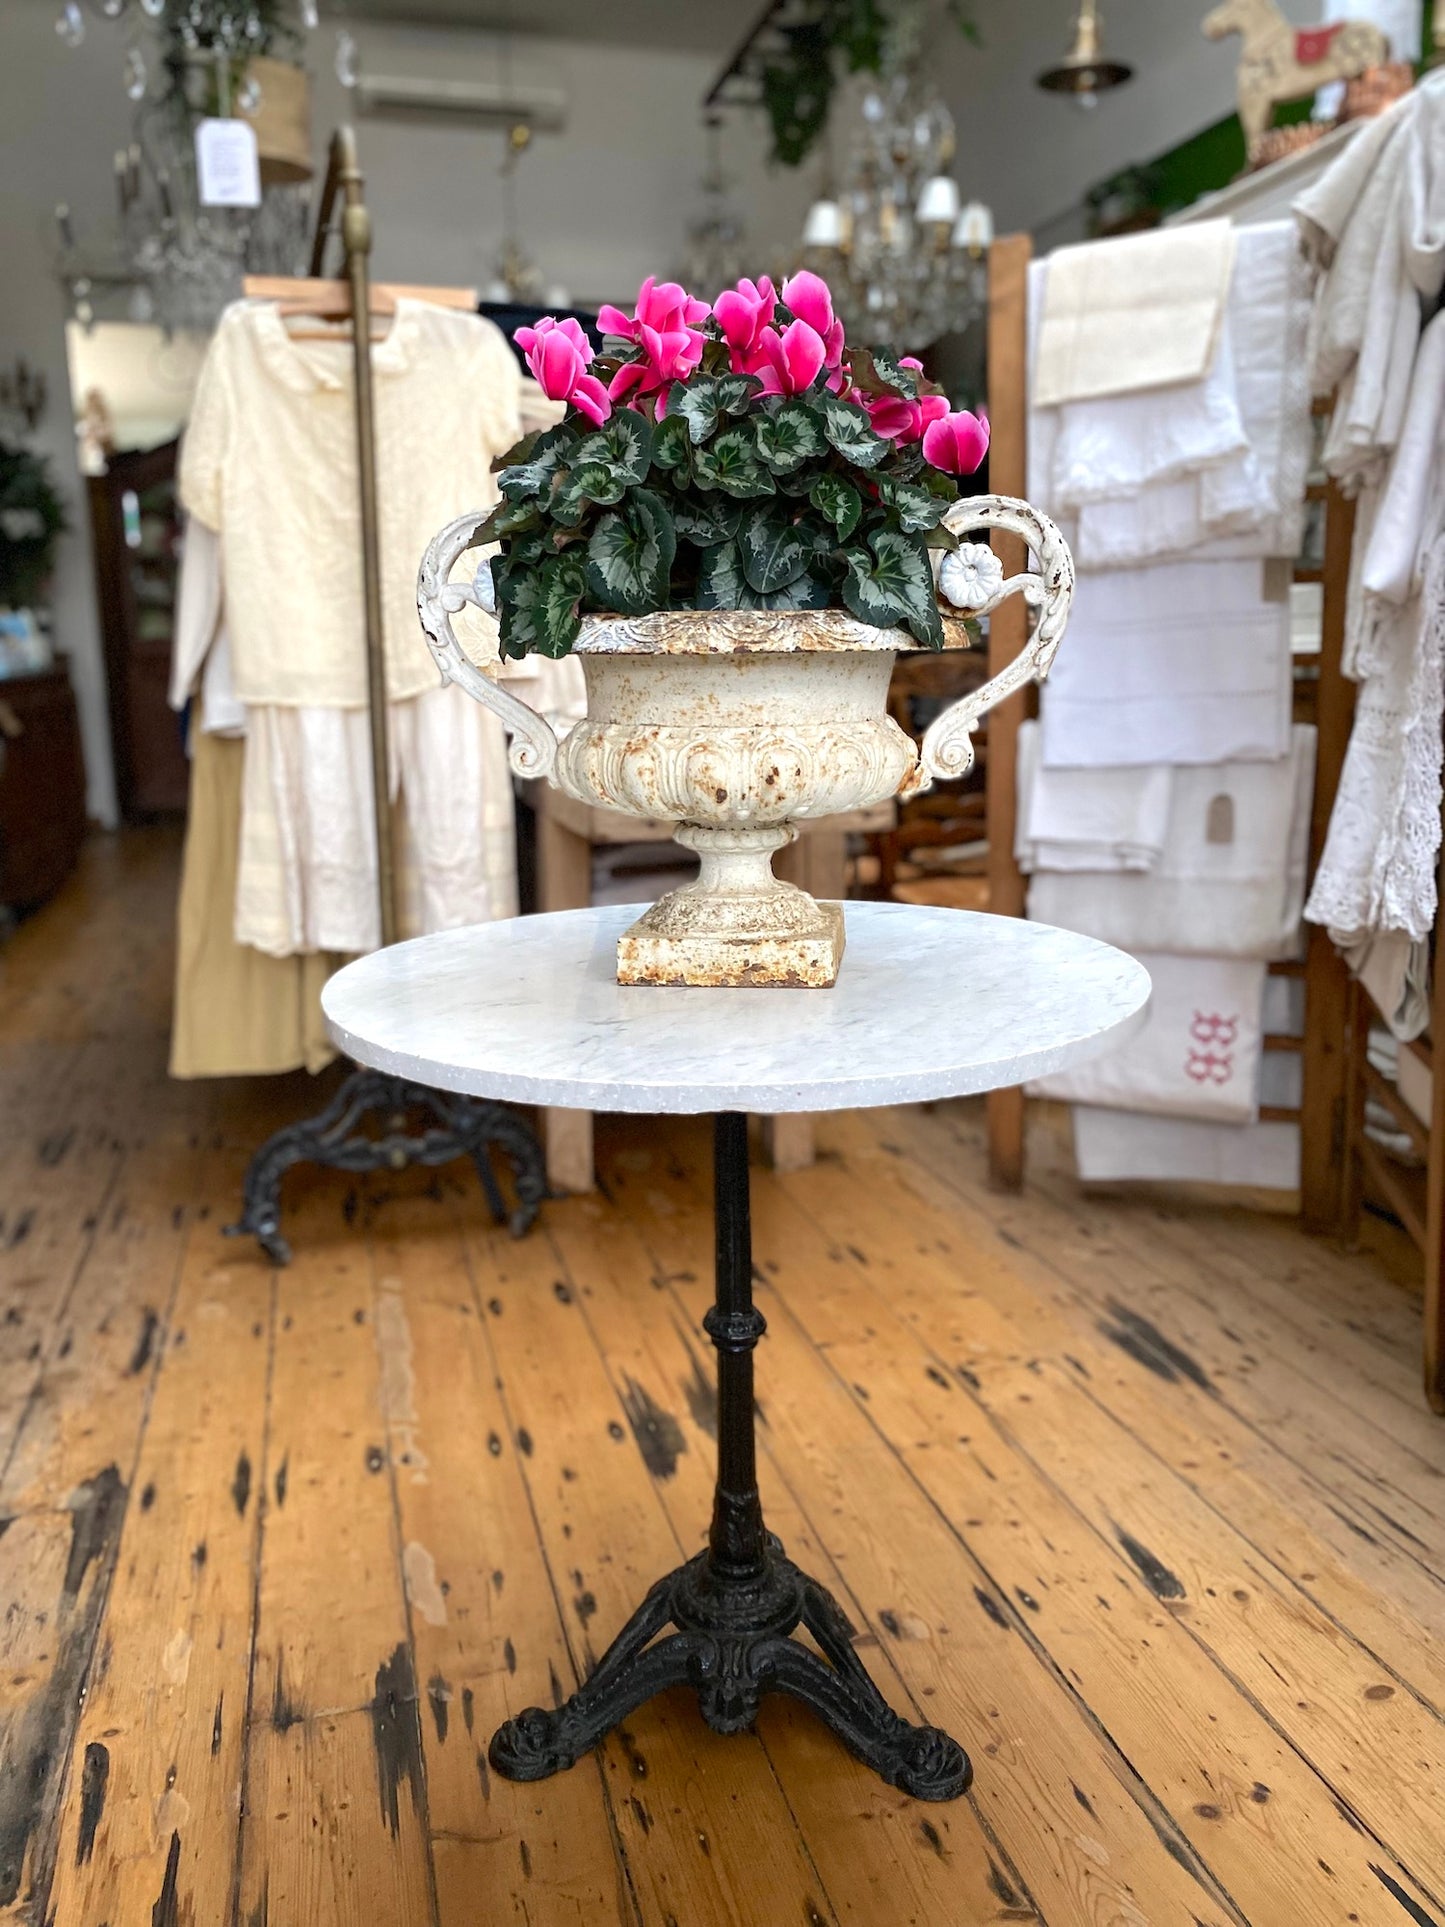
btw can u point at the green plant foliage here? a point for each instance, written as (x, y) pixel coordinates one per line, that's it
(733, 500)
(799, 80)
(539, 607)
(839, 501)
(789, 436)
(730, 462)
(630, 555)
(774, 550)
(893, 584)
(851, 433)
(32, 515)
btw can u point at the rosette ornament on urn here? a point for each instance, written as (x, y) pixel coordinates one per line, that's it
(737, 552)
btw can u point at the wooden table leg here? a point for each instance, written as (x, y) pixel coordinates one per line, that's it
(564, 882)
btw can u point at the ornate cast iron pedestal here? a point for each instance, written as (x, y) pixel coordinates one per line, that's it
(465, 1127)
(733, 1608)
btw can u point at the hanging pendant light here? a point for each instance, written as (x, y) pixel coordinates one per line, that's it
(1084, 71)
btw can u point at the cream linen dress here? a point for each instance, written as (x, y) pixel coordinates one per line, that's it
(269, 462)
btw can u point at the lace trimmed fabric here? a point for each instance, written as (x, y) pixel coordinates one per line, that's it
(1378, 871)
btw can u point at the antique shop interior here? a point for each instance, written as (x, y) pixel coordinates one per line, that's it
(722, 1202)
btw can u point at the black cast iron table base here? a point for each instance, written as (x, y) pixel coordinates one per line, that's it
(456, 1127)
(732, 1609)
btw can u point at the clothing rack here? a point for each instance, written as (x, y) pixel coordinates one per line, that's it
(417, 1125)
(1323, 697)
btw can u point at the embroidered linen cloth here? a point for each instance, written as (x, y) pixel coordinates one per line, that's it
(1197, 1054)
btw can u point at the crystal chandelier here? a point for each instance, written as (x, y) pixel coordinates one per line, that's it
(907, 261)
(171, 258)
(717, 250)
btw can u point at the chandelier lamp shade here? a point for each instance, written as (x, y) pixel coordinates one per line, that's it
(905, 254)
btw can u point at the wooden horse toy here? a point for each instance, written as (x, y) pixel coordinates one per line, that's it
(1281, 62)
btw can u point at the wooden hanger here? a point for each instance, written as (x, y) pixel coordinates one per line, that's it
(297, 295)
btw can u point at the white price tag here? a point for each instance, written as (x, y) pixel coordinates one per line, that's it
(227, 171)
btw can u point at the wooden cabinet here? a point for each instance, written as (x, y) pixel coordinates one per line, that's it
(42, 787)
(135, 520)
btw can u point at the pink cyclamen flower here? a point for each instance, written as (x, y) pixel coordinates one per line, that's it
(903, 420)
(558, 353)
(789, 363)
(956, 443)
(742, 313)
(669, 355)
(811, 300)
(663, 306)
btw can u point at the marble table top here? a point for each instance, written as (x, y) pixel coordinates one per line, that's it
(929, 1003)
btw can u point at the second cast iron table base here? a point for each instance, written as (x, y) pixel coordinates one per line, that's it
(732, 1610)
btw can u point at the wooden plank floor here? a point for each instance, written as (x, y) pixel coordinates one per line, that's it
(1138, 1497)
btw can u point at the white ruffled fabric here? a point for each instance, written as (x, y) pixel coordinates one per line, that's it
(1376, 222)
(1378, 869)
(307, 873)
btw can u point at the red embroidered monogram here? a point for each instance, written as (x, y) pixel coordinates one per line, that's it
(1210, 1059)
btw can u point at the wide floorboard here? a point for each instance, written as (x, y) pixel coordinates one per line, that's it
(1137, 1496)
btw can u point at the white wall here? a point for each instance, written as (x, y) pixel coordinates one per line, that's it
(146, 377)
(62, 117)
(601, 206)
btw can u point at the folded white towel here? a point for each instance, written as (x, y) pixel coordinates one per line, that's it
(1088, 819)
(1184, 663)
(1134, 313)
(1113, 1146)
(1197, 1053)
(1230, 879)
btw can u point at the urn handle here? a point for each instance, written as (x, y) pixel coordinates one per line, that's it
(532, 742)
(948, 743)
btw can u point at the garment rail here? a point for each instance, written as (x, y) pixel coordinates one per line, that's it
(411, 1124)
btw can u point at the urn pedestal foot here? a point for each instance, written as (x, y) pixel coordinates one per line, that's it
(780, 961)
(738, 926)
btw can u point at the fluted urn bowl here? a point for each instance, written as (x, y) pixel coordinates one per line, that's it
(738, 725)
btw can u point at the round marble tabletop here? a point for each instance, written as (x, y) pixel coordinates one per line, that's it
(929, 1003)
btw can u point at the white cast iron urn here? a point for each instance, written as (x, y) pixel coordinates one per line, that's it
(737, 725)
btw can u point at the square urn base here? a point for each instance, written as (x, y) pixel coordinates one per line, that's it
(758, 959)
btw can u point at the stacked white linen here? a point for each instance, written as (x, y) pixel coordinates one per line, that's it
(1165, 798)
(1088, 819)
(1184, 663)
(1214, 469)
(1229, 879)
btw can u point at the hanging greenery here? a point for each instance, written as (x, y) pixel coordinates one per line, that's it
(32, 515)
(799, 82)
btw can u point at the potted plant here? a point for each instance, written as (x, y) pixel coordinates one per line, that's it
(735, 526)
(32, 517)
